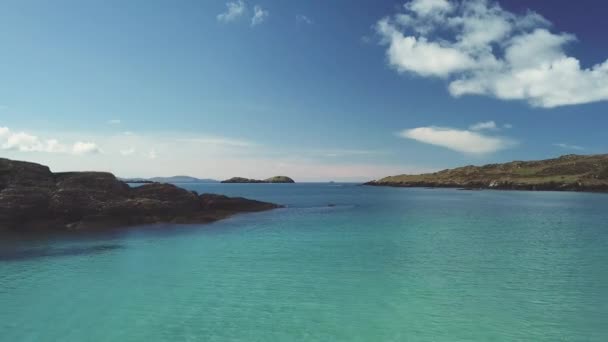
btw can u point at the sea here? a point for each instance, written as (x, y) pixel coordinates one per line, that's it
(341, 262)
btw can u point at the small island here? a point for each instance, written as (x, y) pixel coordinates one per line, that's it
(275, 179)
(566, 173)
(32, 198)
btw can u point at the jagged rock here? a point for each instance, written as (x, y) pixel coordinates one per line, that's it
(31, 196)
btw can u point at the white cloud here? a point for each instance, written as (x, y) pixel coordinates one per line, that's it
(569, 147)
(234, 10)
(487, 125)
(464, 141)
(114, 122)
(259, 15)
(212, 156)
(507, 126)
(25, 142)
(418, 54)
(81, 148)
(483, 49)
(425, 8)
(301, 18)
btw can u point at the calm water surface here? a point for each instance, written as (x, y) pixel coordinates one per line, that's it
(384, 264)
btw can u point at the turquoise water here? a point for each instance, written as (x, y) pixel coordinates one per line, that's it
(384, 264)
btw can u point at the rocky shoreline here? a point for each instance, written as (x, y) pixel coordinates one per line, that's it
(584, 173)
(32, 198)
(549, 186)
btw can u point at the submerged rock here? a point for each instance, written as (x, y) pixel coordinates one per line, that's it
(32, 197)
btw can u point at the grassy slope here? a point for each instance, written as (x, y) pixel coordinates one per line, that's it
(589, 170)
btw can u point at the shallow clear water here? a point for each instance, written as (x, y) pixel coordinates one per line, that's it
(384, 264)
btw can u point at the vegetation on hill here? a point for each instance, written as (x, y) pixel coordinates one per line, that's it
(567, 173)
(275, 179)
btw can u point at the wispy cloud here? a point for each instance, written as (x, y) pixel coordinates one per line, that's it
(569, 147)
(114, 122)
(128, 151)
(486, 125)
(482, 49)
(234, 10)
(302, 19)
(259, 15)
(332, 153)
(464, 141)
(218, 141)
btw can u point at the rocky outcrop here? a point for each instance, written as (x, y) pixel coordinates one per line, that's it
(275, 179)
(32, 197)
(279, 179)
(242, 180)
(566, 173)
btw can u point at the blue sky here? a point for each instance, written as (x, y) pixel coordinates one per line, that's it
(347, 90)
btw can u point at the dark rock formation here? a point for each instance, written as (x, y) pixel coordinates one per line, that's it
(242, 180)
(32, 197)
(279, 179)
(181, 179)
(275, 179)
(566, 173)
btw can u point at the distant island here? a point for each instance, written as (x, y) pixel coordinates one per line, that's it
(275, 179)
(566, 173)
(32, 198)
(173, 179)
(182, 179)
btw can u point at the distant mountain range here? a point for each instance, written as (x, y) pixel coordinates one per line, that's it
(173, 179)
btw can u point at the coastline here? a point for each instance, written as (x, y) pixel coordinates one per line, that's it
(578, 173)
(502, 187)
(34, 199)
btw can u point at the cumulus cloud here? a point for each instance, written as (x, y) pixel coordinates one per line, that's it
(482, 49)
(487, 125)
(234, 10)
(464, 141)
(25, 142)
(259, 15)
(81, 147)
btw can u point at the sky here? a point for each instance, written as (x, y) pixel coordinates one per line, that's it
(315, 90)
